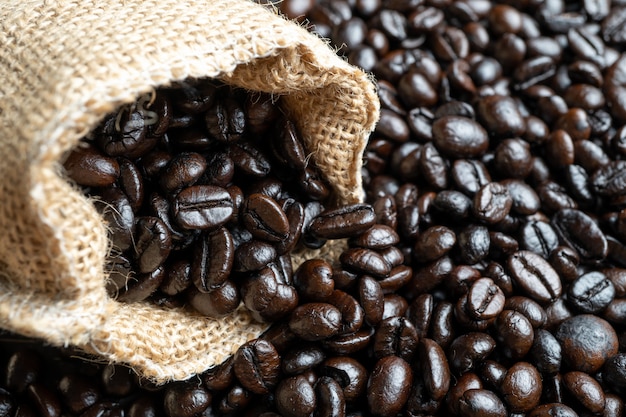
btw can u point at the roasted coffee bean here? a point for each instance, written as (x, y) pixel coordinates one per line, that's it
(330, 398)
(492, 373)
(591, 292)
(586, 390)
(153, 243)
(295, 397)
(485, 299)
(202, 207)
(212, 260)
(481, 402)
(538, 237)
(365, 261)
(614, 372)
(345, 222)
(87, 166)
(349, 373)
(377, 237)
(259, 290)
(587, 342)
(535, 276)
(253, 255)
(219, 302)
(529, 308)
(434, 368)
(459, 137)
(492, 203)
(470, 175)
(565, 261)
(257, 366)
(581, 233)
(515, 333)
(546, 352)
(118, 214)
(521, 387)
(473, 243)
(315, 321)
(468, 350)
(395, 336)
(434, 243)
(553, 409)
(264, 218)
(300, 359)
(314, 280)
(388, 386)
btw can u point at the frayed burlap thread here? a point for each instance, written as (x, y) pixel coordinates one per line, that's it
(63, 66)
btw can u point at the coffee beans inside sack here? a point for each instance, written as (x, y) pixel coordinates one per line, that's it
(206, 191)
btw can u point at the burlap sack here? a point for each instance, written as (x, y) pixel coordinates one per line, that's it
(66, 64)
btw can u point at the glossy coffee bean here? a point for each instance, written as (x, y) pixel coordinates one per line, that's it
(257, 366)
(87, 166)
(535, 276)
(587, 342)
(591, 292)
(388, 386)
(468, 350)
(586, 390)
(481, 402)
(521, 387)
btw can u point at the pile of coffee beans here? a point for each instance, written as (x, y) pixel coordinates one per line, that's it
(485, 275)
(206, 191)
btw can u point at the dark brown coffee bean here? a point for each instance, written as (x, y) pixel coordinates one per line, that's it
(259, 290)
(395, 336)
(485, 299)
(535, 276)
(377, 237)
(479, 403)
(388, 386)
(264, 218)
(459, 137)
(183, 170)
(492, 203)
(468, 350)
(581, 233)
(219, 302)
(212, 261)
(553, 409)
(253, 255)
(202, 207)
(365, 261)
(546, 352)
(538, 237)
(587, 342)
(295, 397)
(87, 166)
(434, 243)
(78, 392)
(257, 366)
(470, 175)
(330, 399)
(44, 400)
(153, 243)
(521, 387)
(349, 373)
(345, 222)
(118, 214)
(565, 261)
(141, 287)
(500, 116)
(591, 292)
(586, 390)
(515, 333)
(527, 307)
(313, 280)
(315, 321)
(125, 135)
(613, 25)
(434, 368)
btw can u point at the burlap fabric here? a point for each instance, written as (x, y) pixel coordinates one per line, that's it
(66, 64)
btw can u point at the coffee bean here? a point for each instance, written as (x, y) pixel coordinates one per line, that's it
(535, 276)
(264, 218)
(295, 397)
(591, 292)
(492, 203)
(212, 260)
(521, 387)
(345, 222)
(202, 207)
(315, 321)
(587, 342)
(152, 243)
(388, 386)
(481, 402)
(581, 233)
(586, 390)
(395, 336)
(546, 352)
(257, 366)
(88, 167)
(468, 350)
(515, 333)
(485, 300)
(365, 261)
(553, 409)
(459, 137)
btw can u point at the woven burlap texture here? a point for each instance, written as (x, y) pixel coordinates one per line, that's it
(63, 66)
